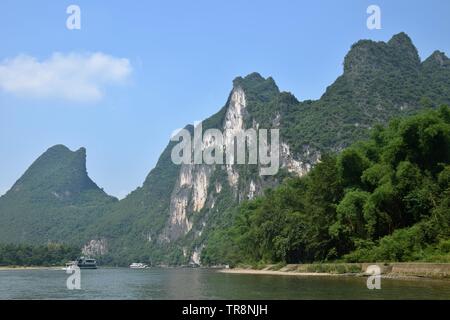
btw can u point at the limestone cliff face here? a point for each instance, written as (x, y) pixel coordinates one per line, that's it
(198, 188)
(95, 248)
(191, 190)
(298, 167)
(188, 197)
(234, 122)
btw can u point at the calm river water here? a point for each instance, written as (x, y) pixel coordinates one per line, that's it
(121, 283)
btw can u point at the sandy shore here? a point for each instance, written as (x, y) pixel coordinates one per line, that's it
(278, 273)
(310, 274)
(406, 270)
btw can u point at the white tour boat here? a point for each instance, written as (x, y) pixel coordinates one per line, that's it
(139, 265)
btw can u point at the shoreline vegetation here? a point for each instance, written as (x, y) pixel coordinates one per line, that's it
(394, 270)
(27, 256)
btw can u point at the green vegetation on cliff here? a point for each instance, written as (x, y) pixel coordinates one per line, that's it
(53, 201)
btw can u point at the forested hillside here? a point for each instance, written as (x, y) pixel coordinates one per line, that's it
(54, 201)
(382, 199)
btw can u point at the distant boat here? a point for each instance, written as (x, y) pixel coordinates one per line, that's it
(139, 265)
(86, 263)
(82, 263)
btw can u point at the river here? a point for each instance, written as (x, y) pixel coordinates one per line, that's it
(122, 283)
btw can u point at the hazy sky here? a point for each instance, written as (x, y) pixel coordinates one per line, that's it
(137, 70)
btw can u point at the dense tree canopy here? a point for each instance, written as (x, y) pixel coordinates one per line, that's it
(44, 255)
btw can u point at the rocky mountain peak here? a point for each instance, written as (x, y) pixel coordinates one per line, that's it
(256, 86)
(405, 47)
(59, 171)
(368, 56)
(437, 59)
(401, 40)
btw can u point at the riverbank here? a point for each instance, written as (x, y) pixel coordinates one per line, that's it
(12, 268)
(405, 270)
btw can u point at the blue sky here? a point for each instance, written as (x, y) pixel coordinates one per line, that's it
(169, 63)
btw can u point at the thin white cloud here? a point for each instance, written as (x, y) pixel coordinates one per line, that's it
(73, 76)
